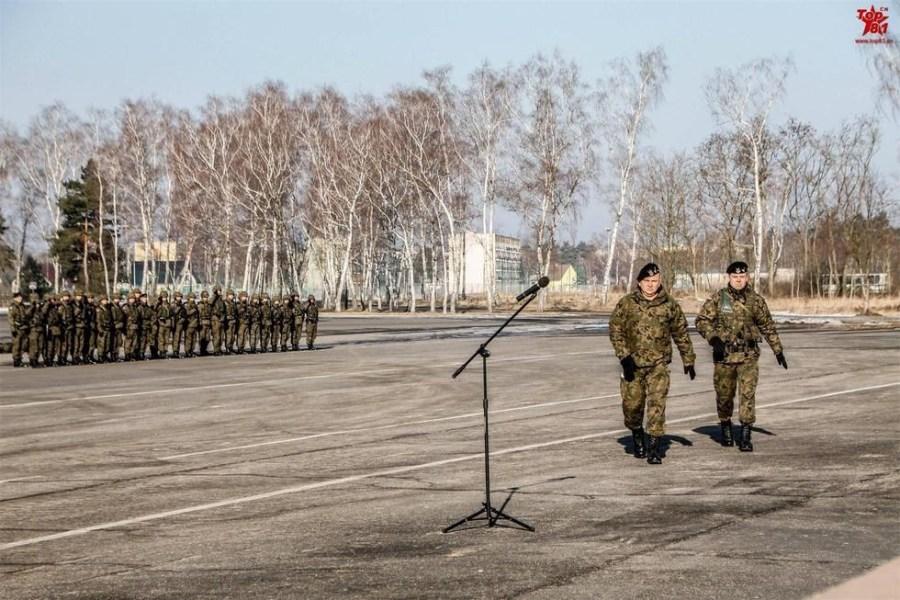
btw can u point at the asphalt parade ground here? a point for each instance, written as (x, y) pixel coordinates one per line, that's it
(331, 473)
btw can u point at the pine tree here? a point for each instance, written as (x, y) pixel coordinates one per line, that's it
(76, 245)
(32, 273)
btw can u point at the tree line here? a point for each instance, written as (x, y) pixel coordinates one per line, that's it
(375, 193)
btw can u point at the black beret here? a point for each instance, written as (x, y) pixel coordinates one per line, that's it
(737, 266)
(648, 270)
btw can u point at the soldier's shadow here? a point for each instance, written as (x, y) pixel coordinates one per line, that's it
(714, 432)
(664, 444)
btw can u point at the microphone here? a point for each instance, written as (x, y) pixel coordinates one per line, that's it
(541, 283)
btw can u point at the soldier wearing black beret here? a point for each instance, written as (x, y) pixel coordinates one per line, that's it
(733, 321)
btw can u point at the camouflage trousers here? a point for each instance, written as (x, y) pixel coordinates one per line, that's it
(241, 338)
(216, 334)
(649, 391)
(254, 336)
(164, 338)
(231, 328)
(79, 351)
(178, 339)
(285, 335)
(190, 339)
(312, 328)
(727, 379)
(36, 344)
(55, 348)
(19, 344)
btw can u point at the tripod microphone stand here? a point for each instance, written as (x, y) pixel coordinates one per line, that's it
(487, 512)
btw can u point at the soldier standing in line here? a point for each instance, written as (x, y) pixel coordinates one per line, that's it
(148, 325)
(241, 316)
(119, 323)
(179, 321)
(641, 329)
(217, 322)
(296, 321)
(132, 327)
(265, 323)
(67, 324)
(230, 323)
(90, 329)
(80, 312)
(105, 327)
(733, 321)
(204, 309)
(192, 320)
(18, 325)
(53, 318)
(276, 322)
(36, 335)
(287, 322)
(254, 315)
(163, 324)
(312, 321)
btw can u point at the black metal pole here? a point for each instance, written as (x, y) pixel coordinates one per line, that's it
(491, 514)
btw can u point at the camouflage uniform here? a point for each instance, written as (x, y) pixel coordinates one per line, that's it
(90, 327)
(277, 316)
(163, 325)
(739, 319)
(287, 323)
(217, 322)
(296, 321)
(644, 329)
(231, 322)
(132, 328)
(119, 321)
(18, 325)
(55, 345)
(179, 321)
(67, 318)
(242, 317)
(204, 309)
(81, 333)
(254, 316)
(192, 324)
(265, 323)
(148, 329)
(36, 336)
(106, 331)
(311, 315)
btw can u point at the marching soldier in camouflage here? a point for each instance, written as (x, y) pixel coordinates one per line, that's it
(641, 329)
(287, 323)
(80, 314)
(205, 315)
(733, 321)
(18, 325)
(311, 315)
(276, 322)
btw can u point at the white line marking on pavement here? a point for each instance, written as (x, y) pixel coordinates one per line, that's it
(313, 436)
(2, 481)
(384, 473)
(260, 380)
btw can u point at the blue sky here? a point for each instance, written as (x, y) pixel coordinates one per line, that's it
(97, 53)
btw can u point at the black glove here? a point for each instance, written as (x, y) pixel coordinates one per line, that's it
(689, 370)
(718, 349)
(628, 367)
(781, 360)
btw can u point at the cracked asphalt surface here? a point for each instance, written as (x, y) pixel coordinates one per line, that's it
(330, 474)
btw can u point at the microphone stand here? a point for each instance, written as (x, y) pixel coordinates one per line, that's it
(487, 512)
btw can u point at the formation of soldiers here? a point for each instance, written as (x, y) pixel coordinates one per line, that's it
(77, 328)
(734, 321)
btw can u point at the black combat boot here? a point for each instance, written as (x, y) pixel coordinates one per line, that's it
(745, 445)
(637, 439)
(727, 437)
(653, 456)
(17, 362)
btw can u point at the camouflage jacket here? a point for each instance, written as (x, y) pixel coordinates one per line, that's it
(297, 311)
(204, 310)
(738, 319)
(17, 320)
(132, 317)
(54, 319)
(192, 314)
(311, 312)
(645, 329)
(164, 314)
(105, 321)
(217, 308)
(148, 317)
(230, 311)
